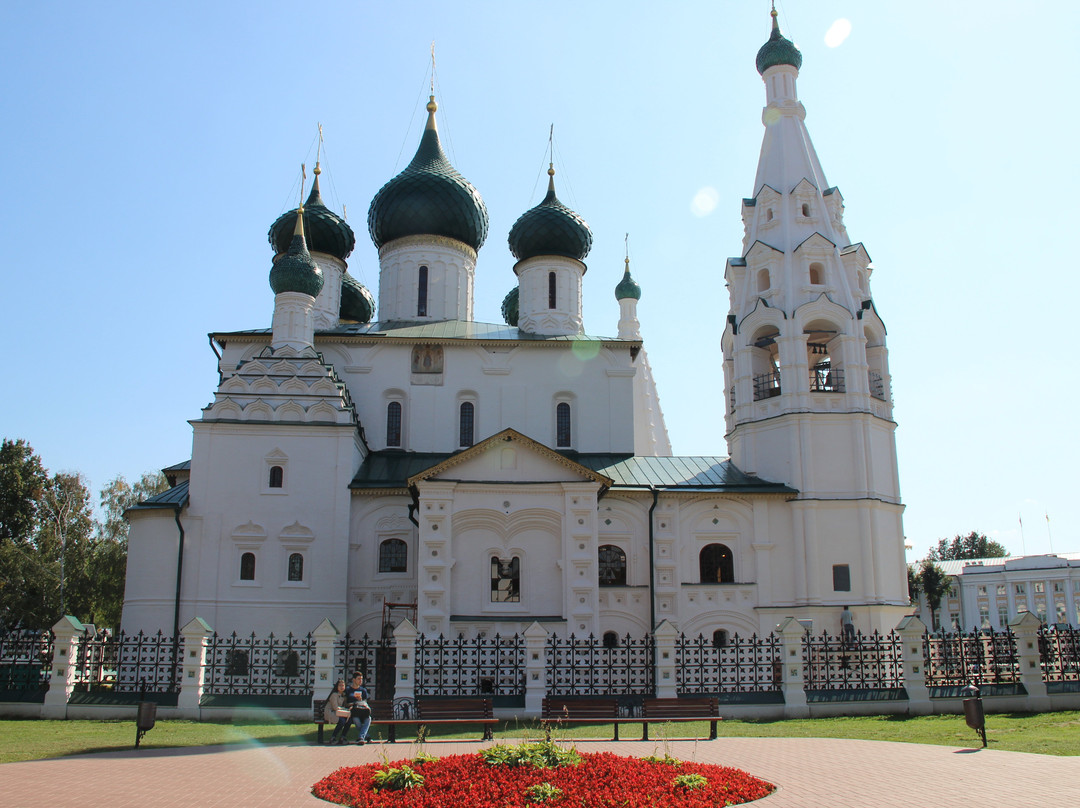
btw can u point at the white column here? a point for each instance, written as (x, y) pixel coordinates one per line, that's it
(536, 683)
(791, 633)
(666, 682)
(911, 630)
(68, 632)
(405, 660)
(196, 636)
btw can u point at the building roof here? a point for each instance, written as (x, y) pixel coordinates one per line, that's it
(392, 469)
(550, 228)
(175, 497)
(975, 566)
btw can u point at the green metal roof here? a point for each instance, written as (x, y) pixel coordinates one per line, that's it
(779, 50)
(325, 231)
(175, 497)
(391, 469)
(440, 329)
(550, 228)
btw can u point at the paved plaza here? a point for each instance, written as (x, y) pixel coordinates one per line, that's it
(808, 773)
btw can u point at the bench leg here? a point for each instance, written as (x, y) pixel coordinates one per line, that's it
(644, 730)
(487, 733)
(616, 733)
(712, 730)
(320, 734)
(393, 733)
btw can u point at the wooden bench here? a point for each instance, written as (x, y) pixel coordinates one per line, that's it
(557, 711)
(427, 712)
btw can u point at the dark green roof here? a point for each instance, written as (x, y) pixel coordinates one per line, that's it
(296, 271)
(428, 198)
(391, 469)
(357, 302)
(175, 497)
(326, 232)
(627, 287)
(778, 50)
(550, 228)
(510, 307)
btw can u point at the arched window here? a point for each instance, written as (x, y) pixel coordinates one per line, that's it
(393, 423)
(611, 639)
(551, 290)
(720, 638)
(465, 423)
(562, 425)
(296, 567)
(717, 564)
(612, 565)
(421, 293)
(763, 280)
(768, 215)
(505, 580)
(277, 476)
(247, 567)
(805, 209)
(817, 273)
(393, 556)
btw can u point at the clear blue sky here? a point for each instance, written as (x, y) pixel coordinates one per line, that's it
(148, 147)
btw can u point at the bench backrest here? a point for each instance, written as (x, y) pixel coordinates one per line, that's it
(680, 708)
(317, 708)
(555, 708)
(454, 708)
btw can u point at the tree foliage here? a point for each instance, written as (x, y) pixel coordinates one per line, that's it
(934, 583)
(973, 545)
(55, 558)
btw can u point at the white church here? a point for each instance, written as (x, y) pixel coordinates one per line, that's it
(370, 462)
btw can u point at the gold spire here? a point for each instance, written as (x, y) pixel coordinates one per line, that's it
(431, 107)
(551, 178)
(774, 15)
(299, 229)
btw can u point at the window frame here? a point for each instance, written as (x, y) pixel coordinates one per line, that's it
(388, 557)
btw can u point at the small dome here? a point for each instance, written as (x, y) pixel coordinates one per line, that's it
(628, 287)
(510, 307)
(550, 228)
(778, 50)
(357, 302)
(326, 231)
(428, 198)
(294, 270)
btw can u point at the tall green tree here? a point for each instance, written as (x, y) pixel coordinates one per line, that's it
(914, 584)
(935, 584)
(22, 479)
(973, 545)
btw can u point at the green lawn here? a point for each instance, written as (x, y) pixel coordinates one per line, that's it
(1043, 733)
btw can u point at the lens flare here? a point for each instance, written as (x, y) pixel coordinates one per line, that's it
(704, 201)
(837, 33)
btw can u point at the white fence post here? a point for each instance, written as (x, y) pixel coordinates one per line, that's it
(405, 669)
(1025, 627)
(193, 675)
(323, 679)
(912, 630)
(792, 634)
(664, 637)
(68, 632)
(536, 683)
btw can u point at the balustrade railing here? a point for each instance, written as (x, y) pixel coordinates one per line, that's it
(873, 661)
(742, 665)
(982, 656)
(25, 661)
(826, 380)
(767, 385)
(371, 656)
(250, 665)
(1059, 651)
(481, 666)
(585, 666)
(128, 663)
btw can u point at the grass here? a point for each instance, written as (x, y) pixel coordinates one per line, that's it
(1040, 733)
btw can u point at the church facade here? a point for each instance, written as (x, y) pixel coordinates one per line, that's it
(478, 477)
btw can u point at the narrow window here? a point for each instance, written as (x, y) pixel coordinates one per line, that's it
(277, 476)
(421, 293)
(612, 565)
(841, 578)
(247, 567)
(562, 425)
(763, 280)
(817, 274)
(611, 639)
(393, 556)
(505, 580)
(720, 638)
(393, 423)
(465, 424)
(805, 209)
(717, 566)
(768, 215)
(296, 567)
(551, 290)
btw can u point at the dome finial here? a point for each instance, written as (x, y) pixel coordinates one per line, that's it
(431, 105)
(324, 230)
(318, 153)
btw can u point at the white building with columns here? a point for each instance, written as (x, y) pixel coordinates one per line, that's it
(485, 476)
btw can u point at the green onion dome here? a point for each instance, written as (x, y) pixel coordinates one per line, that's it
(428, 198)
(550, 228)
(294, 270)
(326, 231)
(357, 302)
(510, 307)
(628, 287)
(778, 50)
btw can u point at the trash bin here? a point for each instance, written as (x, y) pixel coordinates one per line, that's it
(144, 720)
(974, 715)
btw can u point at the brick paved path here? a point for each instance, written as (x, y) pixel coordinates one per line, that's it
(809, 773)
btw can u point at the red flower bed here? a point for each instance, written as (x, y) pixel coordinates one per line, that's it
(603, 779)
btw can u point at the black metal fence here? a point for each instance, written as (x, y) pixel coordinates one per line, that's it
(373, 657)
(862, 662)
(741, 665)
(270, 666)
(1059, 650)
(128, 663)
(480, 666)
(586, 666)
(982, 656)
(25, 661)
